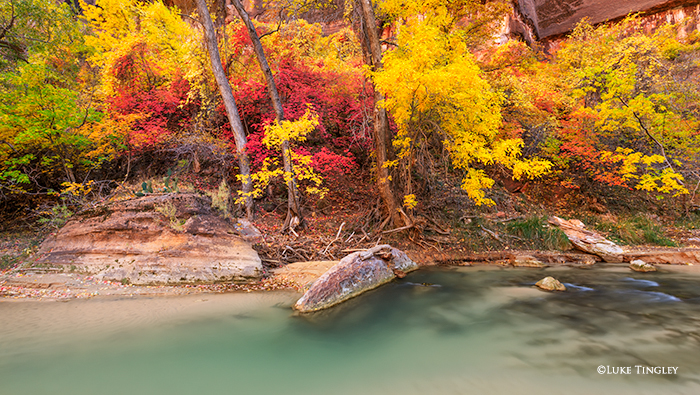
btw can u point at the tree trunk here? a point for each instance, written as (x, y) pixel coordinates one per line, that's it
(294, 215)
(229, 103)
(381, 137)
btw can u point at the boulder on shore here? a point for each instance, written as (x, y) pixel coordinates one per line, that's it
(639, 265)
(550, 284)
(527, 261)
(587, 240)
(356, 273)
(156, 239)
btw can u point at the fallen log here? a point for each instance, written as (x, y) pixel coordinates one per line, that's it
(587, 240)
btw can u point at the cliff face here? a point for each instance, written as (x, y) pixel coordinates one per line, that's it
(549, 18)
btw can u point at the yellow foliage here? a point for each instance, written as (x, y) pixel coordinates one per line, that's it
(636, 92)
(108, 136)
(651, 179)
(433, 83)
(409, 201)
(275, 134)
(121, 25)
(304, 43)
(76, 189)
(278, 132)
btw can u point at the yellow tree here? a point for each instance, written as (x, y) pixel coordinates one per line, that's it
(434, 87)
(121, 26)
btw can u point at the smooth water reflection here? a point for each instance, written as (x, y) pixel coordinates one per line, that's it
(439, 331)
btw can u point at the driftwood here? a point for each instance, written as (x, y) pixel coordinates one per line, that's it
(587, 240)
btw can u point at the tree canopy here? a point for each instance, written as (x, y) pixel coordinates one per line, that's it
(397, 101)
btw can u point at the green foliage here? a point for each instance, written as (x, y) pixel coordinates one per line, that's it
(34, 27)
(168, 188)
(8, 261)
(170, 185)
(16, 248)
(56, 217)
(691, 221)
(221, 199)
(46, 101)
(169, 211)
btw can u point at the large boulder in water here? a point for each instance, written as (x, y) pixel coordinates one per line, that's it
(156, 239)
(587, 240)
(356, 273)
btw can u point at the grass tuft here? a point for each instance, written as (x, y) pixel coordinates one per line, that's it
(537, 234)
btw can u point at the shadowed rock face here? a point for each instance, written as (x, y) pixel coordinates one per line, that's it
(131, 240)
(356, 273)
(553, 17)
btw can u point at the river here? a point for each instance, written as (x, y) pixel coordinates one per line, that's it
(455, 330)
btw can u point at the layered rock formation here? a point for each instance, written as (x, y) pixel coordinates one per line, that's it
(673, 256)
(356, 273)
(548, 18)
(157, 239)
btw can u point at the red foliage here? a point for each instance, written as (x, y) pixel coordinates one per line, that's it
(333, 168)
(140, 90)
(580, 143)
(336, 98)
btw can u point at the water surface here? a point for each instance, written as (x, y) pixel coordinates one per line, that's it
(438, 331)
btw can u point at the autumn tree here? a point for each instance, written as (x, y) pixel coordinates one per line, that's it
(229, 103)
(640, 106)
(318, 76)
(613, 110)
(435, 88)
(46, 100)
(383, 152)
(294, 216)
(635, 95)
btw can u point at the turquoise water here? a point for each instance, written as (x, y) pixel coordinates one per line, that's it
(438, 331)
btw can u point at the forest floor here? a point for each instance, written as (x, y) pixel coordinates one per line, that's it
(446, 234)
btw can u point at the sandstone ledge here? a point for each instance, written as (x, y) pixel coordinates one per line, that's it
(132, 241)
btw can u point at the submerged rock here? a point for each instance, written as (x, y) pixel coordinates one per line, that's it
(639, 265)
(587, 240)
(551, 284)
(156, 239)
(356, 273)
